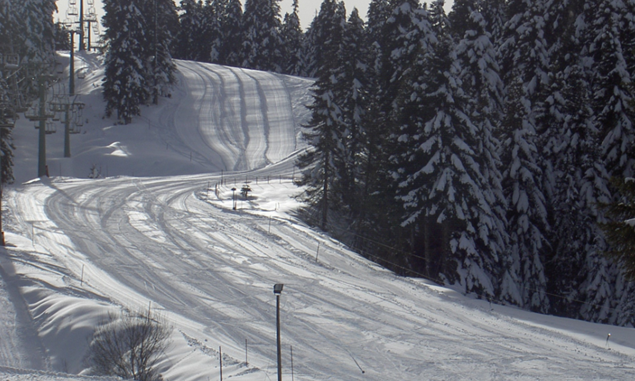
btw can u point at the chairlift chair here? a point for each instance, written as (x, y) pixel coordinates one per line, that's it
(51, 128)
(78, 121)
(75, 129)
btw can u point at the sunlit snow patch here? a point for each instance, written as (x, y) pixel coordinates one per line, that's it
(118, 150)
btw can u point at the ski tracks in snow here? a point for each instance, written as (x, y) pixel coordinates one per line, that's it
(246, 117)
(215, 266)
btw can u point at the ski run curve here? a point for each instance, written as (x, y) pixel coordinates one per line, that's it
(79, 248)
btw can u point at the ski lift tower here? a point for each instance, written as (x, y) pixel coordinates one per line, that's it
(42, 115)
(72, 110)
(86, 18)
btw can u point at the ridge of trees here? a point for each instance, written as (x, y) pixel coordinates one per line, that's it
(475, 148)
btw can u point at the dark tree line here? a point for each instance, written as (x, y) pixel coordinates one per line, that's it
(139, 35)
(475, 148)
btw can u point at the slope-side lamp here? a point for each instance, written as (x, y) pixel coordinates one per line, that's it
(277, 289)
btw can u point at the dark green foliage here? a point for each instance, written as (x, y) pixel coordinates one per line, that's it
(27, 33)
(293, 40)
(62, 37)
(262, 45)
(138, 62)
(323, 164)
(193, 38)
(620, 230)
(125, 81)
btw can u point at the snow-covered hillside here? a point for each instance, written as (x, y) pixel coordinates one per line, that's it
(159, 229)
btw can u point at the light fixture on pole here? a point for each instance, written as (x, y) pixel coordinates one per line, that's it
(277, 289)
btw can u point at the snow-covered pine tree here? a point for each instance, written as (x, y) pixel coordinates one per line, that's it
(395, 30)
(293, 37)
(214, 14)
(322, 164)
(309, 49)
(378, 13)
(525, 64)
(62, 37)
(478, 72)
(8, 25)
(599, 288)
(355, 98)
(527, 210)
(192, 40)
(163, 18)
(231, 28)
(495, 14)
(439, 169)
(627, 35)
(262, 43)
(612, 87)
(125, 83)
(36, 32)
(620, 229)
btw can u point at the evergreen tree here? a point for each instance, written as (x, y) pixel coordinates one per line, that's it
(292, 37)
(214, 13)
(611, 91)
(262, 43)
(322, 164)
(495, 15)
(34, 38)
(231, 27)
(7, 104)
(525, 63)
(620, 229)
(125, 83)
(355, 87)
(62, 37)
(576, 179)
(527, 210)
(442, 170)
(477, 61)
(310, 47)
(159, 66)
(627, 35)
(193, 43)
(395, 31)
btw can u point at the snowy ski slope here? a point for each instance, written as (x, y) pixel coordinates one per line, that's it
(160, 231)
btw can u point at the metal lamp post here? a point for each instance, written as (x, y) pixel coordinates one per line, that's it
(277, 289)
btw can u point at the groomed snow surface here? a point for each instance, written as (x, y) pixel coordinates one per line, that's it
(158, 230)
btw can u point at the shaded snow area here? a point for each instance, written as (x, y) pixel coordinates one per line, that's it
(161, 228)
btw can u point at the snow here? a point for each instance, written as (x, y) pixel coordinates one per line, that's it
(160, 232)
